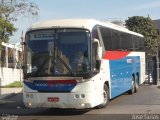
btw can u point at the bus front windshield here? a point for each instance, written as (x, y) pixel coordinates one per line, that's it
(57, 52)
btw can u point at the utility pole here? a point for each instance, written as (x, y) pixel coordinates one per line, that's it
(157, 61)
(21, 58)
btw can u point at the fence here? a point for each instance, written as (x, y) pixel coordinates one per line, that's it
(152, 71)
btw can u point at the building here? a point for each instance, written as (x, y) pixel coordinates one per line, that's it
(10, 64)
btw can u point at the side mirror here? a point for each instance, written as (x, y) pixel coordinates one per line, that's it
(99, 50)
(99, 53)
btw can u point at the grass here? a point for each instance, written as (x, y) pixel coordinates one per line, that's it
(14, 84)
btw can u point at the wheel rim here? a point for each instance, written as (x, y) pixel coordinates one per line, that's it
(136, 85)
(105, 97)
(132, 86)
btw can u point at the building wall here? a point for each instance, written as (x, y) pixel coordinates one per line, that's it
(10, 64)
(9, 75)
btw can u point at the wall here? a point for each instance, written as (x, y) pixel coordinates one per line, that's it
(10, 60)
(9, 75)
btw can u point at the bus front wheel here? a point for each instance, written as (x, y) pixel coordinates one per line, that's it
(106, 97)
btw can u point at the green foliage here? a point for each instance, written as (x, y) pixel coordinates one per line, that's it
(14, 84)
(6, 30)
(11, 10)
(145, 27)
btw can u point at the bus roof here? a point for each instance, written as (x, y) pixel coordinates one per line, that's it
(79, 23)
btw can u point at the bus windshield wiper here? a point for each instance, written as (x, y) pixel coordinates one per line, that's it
(66, 66)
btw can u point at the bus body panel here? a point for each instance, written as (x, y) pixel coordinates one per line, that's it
(84, 95)
(65, 100)
(142, 65)
(123, 68)
(121, 74)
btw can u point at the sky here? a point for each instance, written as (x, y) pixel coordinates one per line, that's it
(95, 9)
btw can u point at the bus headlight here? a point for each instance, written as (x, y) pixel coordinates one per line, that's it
(30, 104)
(31, 95)
(82, 96)
(76, 96)
(83, 105)
(27, 95)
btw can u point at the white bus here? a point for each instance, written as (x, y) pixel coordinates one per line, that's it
(80, 63)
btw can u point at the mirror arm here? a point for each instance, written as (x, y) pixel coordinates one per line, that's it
(99, 50)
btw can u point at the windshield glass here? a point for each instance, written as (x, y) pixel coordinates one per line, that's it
(58, 52)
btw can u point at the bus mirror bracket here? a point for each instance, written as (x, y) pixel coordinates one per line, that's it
(99, 49)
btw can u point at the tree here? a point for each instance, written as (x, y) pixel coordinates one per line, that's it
(6, 30)
(145, 27)
(12, 9)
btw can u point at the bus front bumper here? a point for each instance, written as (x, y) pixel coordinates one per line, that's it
(61, 100)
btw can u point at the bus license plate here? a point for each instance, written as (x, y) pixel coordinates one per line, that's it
(53, 99)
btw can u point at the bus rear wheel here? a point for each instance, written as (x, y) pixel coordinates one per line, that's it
(106, 97)
(133, 86)
(136, 84)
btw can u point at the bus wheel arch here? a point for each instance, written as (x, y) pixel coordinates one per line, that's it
(106, 95)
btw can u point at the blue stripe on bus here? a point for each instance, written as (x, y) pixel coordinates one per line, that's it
(42, 85)
(121, 74)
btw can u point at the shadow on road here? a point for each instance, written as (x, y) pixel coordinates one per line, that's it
(21, 111)
(13, 105)
(42, 112)
(62, 112)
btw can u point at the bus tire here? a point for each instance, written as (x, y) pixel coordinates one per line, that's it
(136, 84)
(132, 90)
(106, 97)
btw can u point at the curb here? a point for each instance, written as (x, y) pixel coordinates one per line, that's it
(6, 96)
(11, 94)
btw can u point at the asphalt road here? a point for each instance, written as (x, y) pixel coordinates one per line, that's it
(143, 105)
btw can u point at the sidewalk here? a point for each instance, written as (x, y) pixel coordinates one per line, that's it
(5, 92)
